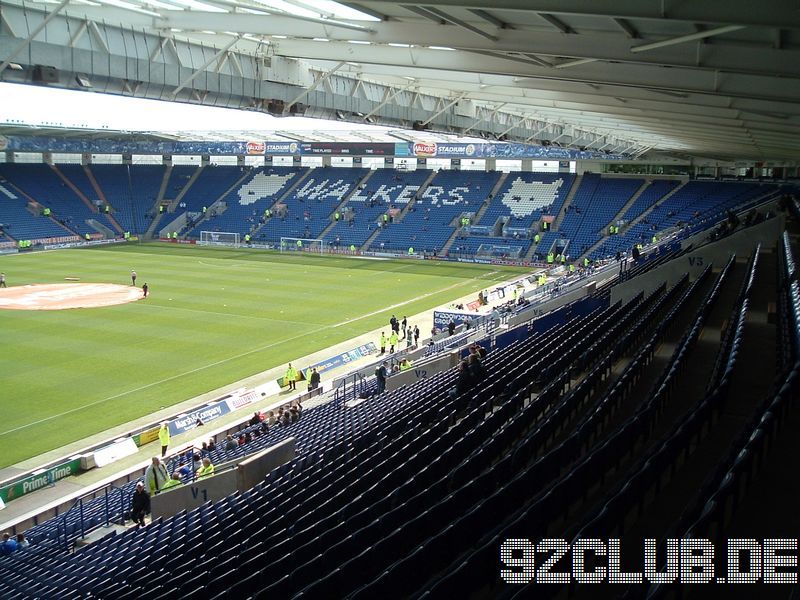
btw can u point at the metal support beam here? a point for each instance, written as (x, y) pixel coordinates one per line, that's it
(629, 29)
(313, 86)
(388, 99)
(356, 87)
(460, 23)
(780, 39)
(367, 11)
(537, 133)
(557, 23)
(446, 106)
(204, 66)
(4, 23)
(36, 30)
(424, 12)
(490, 18)
(94, 29)
(575, 63)
(78, 33)
(517, 124)
(692, 37)
(491, 118)
(237, 64)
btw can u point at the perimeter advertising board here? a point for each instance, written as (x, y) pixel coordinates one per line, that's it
(420, 149)
(39, 480)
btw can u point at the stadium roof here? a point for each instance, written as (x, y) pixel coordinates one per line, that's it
(33, 110)
(703, 78)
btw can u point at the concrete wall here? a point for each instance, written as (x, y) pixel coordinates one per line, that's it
(252, 470)
(424, 371)
(244, 476)
(717, 253)
(192, 495)
(583, 288)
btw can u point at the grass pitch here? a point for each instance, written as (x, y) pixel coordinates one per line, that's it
(214, 316)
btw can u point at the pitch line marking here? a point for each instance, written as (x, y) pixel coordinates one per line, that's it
(236, 357)
(221, 314)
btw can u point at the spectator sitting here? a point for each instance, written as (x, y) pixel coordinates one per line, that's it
(174, 482)
(464, 381)
(256, 418)
(8, 546)
(285, 418)
(271, 418)
(476, 369)
(204, 449)
(230, 444)
(206, 470)
(264, 428)
(248, 437)
(22, 542)
(242, 440)
(212, 445)
(185, 470)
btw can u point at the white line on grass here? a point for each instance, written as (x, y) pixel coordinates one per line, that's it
(222, 314)
(422, 297)
(241, 355)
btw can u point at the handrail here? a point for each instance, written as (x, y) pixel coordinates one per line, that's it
(108, 490)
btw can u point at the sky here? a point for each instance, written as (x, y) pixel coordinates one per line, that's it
(53, 107)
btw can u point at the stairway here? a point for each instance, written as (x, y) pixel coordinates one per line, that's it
(207, 216)
(344, 201)
(426, 183)
(446, 248)
(185, 189)
(148, 235)
(649, 210)
(488, 201)
(282, 197)
(624, 209)
(562, 213)
(95, 185)
(163, 189)
(645, 184)
(371, 239)
(407, 208)
(74, 188)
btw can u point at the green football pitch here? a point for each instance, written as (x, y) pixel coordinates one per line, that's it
(215, 316)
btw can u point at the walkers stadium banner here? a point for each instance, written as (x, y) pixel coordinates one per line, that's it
(39, 480)
(420, 149)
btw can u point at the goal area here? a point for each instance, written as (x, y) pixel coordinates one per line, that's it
(220, 238)
(498, 251)
(291, 244)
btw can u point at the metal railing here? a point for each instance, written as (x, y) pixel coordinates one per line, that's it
(114, 500)
(350, 387)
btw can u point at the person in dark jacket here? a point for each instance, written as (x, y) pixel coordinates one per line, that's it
(380, 375)
(314, 381)
(476, 369)
(464, 382)
(140, 505)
